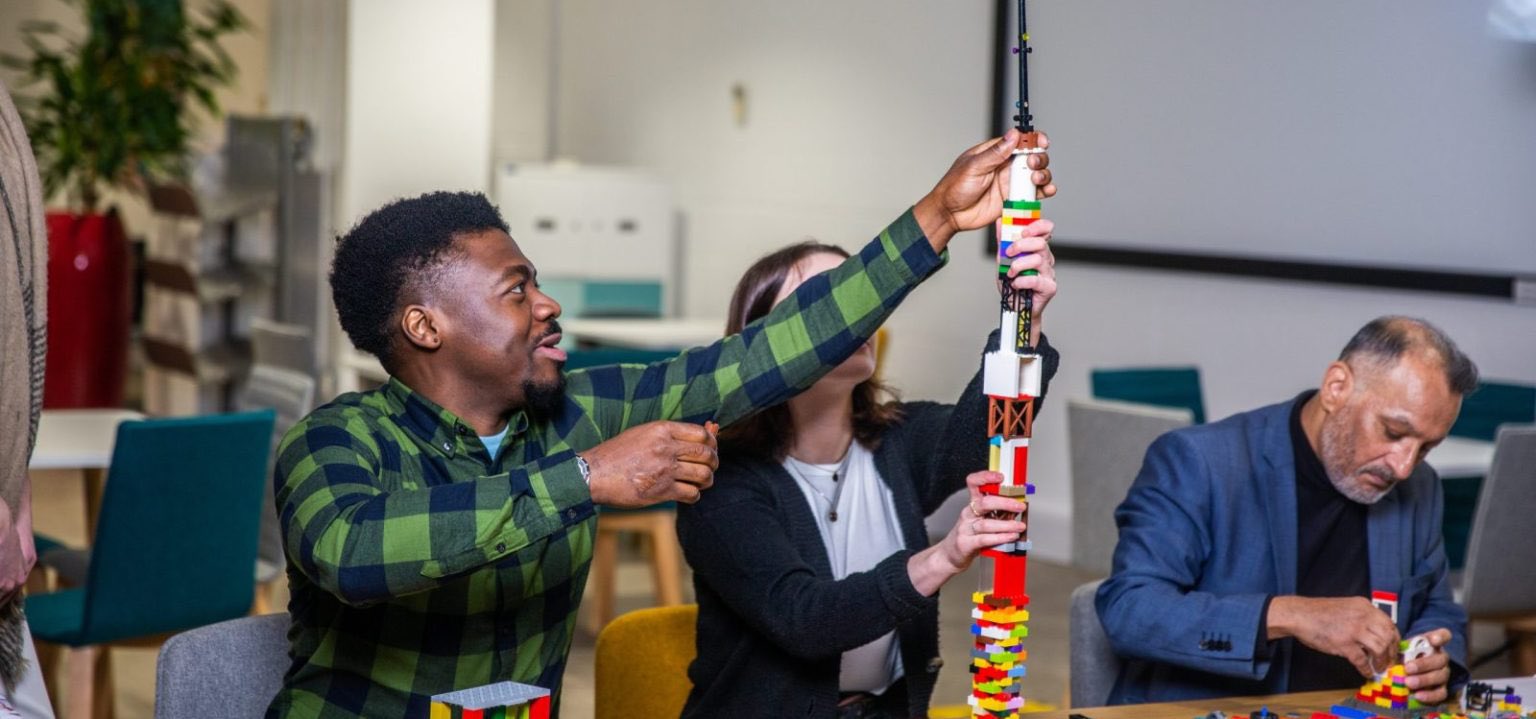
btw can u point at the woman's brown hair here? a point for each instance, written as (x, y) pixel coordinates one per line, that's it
(769, 431)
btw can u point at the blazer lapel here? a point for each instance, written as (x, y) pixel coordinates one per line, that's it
(1384, 532)
(1278, 487)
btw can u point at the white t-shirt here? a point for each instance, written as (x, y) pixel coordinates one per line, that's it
(866, 532)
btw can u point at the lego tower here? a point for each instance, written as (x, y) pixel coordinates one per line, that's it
(1011, 380)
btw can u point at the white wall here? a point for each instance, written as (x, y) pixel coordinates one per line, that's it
(849, 121)
(418, 112)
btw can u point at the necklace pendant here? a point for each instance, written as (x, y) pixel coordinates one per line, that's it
(832, 516)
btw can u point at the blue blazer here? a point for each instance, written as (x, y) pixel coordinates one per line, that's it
(1208, 532)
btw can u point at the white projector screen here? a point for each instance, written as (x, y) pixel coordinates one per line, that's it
(1369, 132)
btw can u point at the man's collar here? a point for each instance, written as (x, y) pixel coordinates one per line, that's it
(440, 428)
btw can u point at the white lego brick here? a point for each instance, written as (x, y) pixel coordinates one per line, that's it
(1029, 375)
(1006, 374)
(1019, 185)
(1000, 374)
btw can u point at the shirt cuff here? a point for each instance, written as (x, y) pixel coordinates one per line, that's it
(557, 484)
(907, 247)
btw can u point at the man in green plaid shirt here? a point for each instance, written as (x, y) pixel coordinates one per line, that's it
(439, 529)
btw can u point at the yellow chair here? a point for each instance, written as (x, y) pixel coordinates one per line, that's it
(642, 663)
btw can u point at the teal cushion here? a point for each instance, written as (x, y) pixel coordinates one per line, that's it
(1177, 387)
(1493, 404)
(58, 617)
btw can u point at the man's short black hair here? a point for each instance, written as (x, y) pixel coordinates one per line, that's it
(392, 252)
(1386, 339)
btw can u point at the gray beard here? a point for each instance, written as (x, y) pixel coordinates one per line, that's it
(12, 643)
(1331, 444)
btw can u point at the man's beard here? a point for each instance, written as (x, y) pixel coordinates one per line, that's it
(1337, 450)
(544, 398)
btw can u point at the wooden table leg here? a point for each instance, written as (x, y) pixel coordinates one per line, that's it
(95, 486)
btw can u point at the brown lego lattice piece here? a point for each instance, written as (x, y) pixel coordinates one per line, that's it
(1010, 417)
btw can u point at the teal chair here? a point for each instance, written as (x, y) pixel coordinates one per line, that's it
(1493, 404)
(600, 356)
(175, 543)
(1482, 412)
(1177, 387)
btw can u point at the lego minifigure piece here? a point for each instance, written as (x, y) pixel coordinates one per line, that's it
(1386, 602)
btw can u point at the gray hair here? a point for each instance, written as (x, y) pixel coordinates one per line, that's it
(1387, 339)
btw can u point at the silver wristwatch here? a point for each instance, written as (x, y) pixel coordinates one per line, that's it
(586, 470)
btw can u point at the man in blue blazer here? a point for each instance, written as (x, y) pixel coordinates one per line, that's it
(1250, 549)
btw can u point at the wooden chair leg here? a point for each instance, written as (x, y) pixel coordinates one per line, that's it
(1522, 651)
(666, 560)
(262, 604)
(79, 681)
(103, 698)
(605, 561)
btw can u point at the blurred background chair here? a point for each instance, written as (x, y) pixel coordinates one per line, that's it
(642, 663)
(281, 382)
(1094, 663)
(174, 546)
(1159, 386)
(229, 669)
(655, 525)
(1490, 406)
(1498, 583)
(1108, 442)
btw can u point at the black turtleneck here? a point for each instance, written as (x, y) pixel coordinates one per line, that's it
(1332, 557)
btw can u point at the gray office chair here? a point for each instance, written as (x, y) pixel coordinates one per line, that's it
(230, 669)
(1109, 440)
(1094, 664)
(1497, 584)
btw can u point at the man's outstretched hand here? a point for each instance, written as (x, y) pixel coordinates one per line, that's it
(652, 463)
(971, 194)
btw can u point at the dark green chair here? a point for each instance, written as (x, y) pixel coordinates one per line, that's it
(176, 540)
(600, 356)
(1483, 411)
(1177, 387)
(1493, 404)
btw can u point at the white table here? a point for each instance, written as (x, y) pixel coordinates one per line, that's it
(1461, 457)
(80, 439)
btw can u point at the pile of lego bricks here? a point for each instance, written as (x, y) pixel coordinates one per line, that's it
(1016, 214)
(502, 700)
(997, 659)
(1389, 691)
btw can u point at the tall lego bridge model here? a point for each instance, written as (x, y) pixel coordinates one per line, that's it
(1011, 380)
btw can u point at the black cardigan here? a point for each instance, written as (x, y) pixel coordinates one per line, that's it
(772, 622)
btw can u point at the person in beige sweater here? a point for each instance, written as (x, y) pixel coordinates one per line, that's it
(23, 342)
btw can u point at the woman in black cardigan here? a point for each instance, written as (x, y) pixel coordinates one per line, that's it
(817, 589)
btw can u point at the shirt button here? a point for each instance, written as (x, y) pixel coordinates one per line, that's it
(571, 514)
(934, 664)
(447, 446)
(501, 546)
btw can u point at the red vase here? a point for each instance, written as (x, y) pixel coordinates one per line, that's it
(89, 310)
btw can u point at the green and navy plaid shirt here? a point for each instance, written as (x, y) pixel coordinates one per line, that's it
(419, 564)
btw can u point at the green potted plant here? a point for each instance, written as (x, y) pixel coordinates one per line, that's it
(113, 109)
